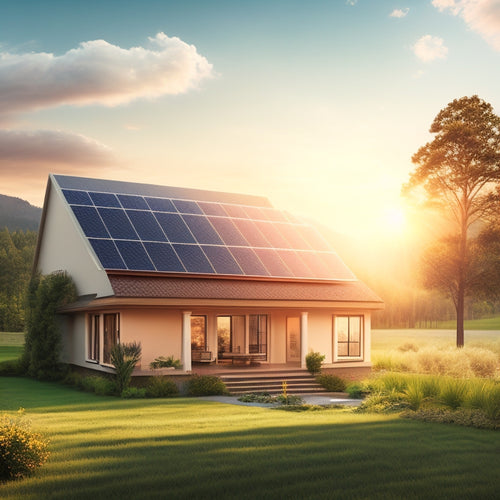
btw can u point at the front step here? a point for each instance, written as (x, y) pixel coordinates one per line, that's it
(297, 382)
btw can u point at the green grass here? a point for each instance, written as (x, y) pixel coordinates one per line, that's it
(107, 448)
(385, 340)
(473, 324)
(11, 345)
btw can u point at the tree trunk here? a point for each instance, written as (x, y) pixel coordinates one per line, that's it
(460, 315)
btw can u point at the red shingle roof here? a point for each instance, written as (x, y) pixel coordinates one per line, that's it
(203, 288)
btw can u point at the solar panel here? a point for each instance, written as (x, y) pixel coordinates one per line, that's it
(139, 230)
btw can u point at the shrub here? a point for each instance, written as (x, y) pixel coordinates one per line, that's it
(485, 396)
(313, 362)
(331, 383)
(383, 402)
(161, 387)
(21, 450)
(408, 346)
(133, 393)
(43, 342)
(101, 386)
(124, 357)
(414, 393)
(10, 368)
(205, 385)
(163, 362)
(356, 390)
(453, 392)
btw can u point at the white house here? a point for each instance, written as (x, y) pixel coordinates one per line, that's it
(199, 275)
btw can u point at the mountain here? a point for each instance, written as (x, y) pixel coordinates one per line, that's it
(17, 214)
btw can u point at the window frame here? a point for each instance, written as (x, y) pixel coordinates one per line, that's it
(349, 342)
(93, 338)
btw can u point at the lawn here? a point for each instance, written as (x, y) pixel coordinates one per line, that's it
(187, 448)
(385, 340)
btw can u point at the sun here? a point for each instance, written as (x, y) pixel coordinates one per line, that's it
(394, 220)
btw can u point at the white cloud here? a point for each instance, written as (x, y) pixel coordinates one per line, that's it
(399, 13)
(429, 48)
(28, 149)
(482, 16)
(97, 72)
(351, 2)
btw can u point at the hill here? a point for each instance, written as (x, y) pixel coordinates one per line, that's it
(17, 214)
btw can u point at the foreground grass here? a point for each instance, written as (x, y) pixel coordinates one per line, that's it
(187, 448)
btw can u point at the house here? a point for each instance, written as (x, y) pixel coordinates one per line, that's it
(198, 275)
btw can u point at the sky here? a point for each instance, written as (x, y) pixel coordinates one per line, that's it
(317, 105)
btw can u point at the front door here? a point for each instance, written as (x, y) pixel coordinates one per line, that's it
(292, 339)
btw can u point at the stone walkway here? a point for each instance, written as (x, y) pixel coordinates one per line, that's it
(323, 399)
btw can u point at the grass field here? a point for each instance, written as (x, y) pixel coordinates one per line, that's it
(107, 448)
(384, 340)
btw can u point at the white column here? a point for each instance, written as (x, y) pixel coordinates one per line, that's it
(186, 341)
(303, 339)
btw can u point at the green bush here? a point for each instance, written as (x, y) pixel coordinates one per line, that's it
(313, 362)
(331, 383)
(165, 362)
(383, 402)
(21, 450)
(10, 368)
(453, 392)
(461, 416)
(161, 387)
(43, 342)
(133, 393)
(205, 385)
(101, 386)
(124, 357)
(355, 390)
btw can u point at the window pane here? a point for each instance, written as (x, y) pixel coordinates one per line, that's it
(198, 332)
(343, 329)
(354, 349)
(355, 329)
(343, 349)
(111, 336)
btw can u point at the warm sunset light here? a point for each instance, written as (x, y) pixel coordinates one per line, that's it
(395, 220)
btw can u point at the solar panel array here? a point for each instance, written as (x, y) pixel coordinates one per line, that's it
(168, 235)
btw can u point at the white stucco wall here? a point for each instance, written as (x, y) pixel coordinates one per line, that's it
(64, 248)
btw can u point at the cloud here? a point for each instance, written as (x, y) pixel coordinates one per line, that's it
(429, 48)
(482, 16)
(399, 13)
(97, 72)
(28, 149)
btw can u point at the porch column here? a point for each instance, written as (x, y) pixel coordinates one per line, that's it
(186, 341)
(303, 339)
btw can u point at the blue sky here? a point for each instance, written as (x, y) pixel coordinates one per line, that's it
(317, 105)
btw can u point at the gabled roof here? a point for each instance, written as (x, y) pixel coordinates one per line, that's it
(140, 229)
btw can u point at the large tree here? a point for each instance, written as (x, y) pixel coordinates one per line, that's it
(458, 173)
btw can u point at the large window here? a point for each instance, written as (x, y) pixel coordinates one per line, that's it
(231, 334)
(198, 333)
(103, 333)
(93, 337)
(349, 336)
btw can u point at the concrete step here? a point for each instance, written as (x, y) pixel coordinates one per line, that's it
(298, 382)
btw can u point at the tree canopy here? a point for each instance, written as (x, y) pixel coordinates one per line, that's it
(458, 172)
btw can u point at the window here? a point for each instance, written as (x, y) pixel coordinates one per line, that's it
(257, 333)
(231, 334)
(93, 338)
(349, 330)
(111, 335)
(198, 333)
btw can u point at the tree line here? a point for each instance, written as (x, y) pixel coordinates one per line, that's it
(17, 249)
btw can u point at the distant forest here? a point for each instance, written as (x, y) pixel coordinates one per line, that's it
(18, 215)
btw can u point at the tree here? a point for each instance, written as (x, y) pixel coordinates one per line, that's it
(43, 342)
(459, 171)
